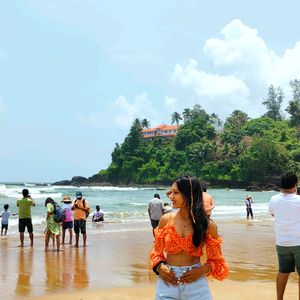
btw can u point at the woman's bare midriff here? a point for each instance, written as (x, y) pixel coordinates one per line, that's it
(182, 259)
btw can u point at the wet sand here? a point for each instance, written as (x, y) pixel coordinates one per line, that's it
(116, 266)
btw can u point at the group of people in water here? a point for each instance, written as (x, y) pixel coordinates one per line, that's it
(74, 218)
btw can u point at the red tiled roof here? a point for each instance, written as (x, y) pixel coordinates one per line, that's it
(160, 127)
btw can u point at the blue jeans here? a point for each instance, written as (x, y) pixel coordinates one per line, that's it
(196, 290)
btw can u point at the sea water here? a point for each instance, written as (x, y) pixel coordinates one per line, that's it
(125, 208)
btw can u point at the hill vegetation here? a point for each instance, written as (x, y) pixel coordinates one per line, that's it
(242, 149)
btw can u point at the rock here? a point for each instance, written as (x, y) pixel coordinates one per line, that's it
(62, 182)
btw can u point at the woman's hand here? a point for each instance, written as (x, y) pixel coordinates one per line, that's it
(194, 274)
(167, 275)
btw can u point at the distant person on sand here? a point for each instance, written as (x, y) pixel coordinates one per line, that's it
(98, 215)
(208, 202)
(68, 222)
(179, 242)
(285, 208)
(167, 208)
(53, 228)
(155, 211)
(5, 216)
(24, 205)
(81, 209)
(248, 203)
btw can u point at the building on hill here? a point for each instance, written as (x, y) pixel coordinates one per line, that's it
(165, 132)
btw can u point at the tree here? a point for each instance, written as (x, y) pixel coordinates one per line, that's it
(215, 121)
(176, 117)
(145, 123)
(294, 105)
(264, 158)
(273, 103)
(233, 132)
(186, 115)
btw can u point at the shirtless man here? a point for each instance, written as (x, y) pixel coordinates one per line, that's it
(208, 202)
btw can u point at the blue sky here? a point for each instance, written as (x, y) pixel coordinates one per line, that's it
(74, 74)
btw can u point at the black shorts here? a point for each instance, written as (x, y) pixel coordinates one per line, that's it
(154, 223)
(80, 225)
(23, 223)
(288, 258)
(4, 226)
(66, 225)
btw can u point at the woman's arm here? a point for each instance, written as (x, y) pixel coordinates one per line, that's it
(218, 267)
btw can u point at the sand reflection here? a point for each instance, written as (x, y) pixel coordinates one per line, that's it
(23, 286)
(81, 278)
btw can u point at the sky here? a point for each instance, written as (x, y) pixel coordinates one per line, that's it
(75, 74)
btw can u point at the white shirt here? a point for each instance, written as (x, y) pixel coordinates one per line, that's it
(286, 210)
(155, 207)
(5, 216)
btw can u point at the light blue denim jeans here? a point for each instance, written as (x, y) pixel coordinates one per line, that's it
(196, 290)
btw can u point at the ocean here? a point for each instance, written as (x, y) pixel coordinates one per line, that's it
(125, 208)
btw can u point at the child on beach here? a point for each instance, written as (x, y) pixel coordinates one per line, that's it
(5, 214)
(98, 215)
(68, 222)
(52, 228)
(179, 242)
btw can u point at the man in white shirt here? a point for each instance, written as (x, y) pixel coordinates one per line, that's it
(155, 211)
(285, 208)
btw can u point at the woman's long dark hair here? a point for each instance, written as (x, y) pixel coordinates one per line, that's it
(191, 190)
(49, 200)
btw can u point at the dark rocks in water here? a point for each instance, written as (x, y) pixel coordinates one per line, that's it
(262, 187)
(62, 182)
(78, 179)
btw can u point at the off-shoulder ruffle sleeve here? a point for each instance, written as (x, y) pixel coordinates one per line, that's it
(157, 252)
(218, 266)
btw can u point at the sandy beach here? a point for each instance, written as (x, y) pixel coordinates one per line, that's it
(116, 266)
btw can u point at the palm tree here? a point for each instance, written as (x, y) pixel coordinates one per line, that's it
(176, 117)
(145, 123)
(186, 115)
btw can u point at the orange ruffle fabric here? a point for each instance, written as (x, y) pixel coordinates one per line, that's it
(168, 241)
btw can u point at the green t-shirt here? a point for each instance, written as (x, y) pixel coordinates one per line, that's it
(24, 205)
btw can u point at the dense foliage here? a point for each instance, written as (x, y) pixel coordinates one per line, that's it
(244, 149)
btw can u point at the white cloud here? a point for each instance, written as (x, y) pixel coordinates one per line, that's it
(243, 68)
(120, 113)
(171, 104)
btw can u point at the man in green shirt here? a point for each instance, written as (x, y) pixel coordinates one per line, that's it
(24, 205)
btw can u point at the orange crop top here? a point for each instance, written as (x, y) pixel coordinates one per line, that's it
(167, 240)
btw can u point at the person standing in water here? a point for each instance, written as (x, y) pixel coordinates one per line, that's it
(248, 203)
(25, 221)
(68, 222)
(155, 211)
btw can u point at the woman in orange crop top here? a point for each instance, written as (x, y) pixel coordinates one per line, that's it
(179, 242)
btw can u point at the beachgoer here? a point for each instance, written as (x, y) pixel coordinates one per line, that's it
(248, 203)
(81, 208)
(68, 222)
(53, 228)
(25, 221)
(5, 216)
(285, 208)
(179, 241)
(167, 208)
(155, 211)
(208, 202)
(98, 215)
